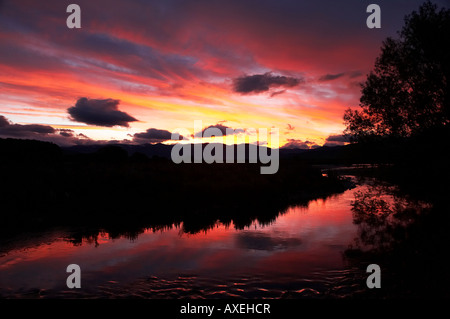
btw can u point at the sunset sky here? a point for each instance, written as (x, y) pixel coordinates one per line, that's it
(137, 70)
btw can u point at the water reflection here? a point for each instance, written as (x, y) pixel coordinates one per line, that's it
(262, 241)
(383, 215)
(407, 237)
(297, 252)
(258, 217)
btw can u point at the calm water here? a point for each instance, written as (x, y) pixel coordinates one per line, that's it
(299, 254)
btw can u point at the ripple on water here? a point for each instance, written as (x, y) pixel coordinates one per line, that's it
(321, 284)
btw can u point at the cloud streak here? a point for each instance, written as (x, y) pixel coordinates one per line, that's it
(331, 77)
(259, 83)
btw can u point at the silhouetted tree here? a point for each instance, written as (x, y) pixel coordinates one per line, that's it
(408, 91)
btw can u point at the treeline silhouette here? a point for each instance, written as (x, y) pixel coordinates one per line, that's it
(109, 189)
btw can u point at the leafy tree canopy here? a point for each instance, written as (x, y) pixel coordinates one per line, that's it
(407, 93)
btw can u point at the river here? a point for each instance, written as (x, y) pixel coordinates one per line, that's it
(300, 254)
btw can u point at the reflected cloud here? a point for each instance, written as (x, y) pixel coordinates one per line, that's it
(263, 241)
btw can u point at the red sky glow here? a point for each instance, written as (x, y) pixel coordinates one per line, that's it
(168, 63)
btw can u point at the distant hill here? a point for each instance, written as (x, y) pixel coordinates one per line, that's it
(150, 150)
(347, 154)
(17, 149)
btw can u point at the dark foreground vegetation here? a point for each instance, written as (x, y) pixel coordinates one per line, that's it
(110, 190)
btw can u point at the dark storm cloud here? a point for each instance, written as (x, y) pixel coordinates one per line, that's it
(153, 135)
(259, 83)
(222, 129)
(99, 112)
